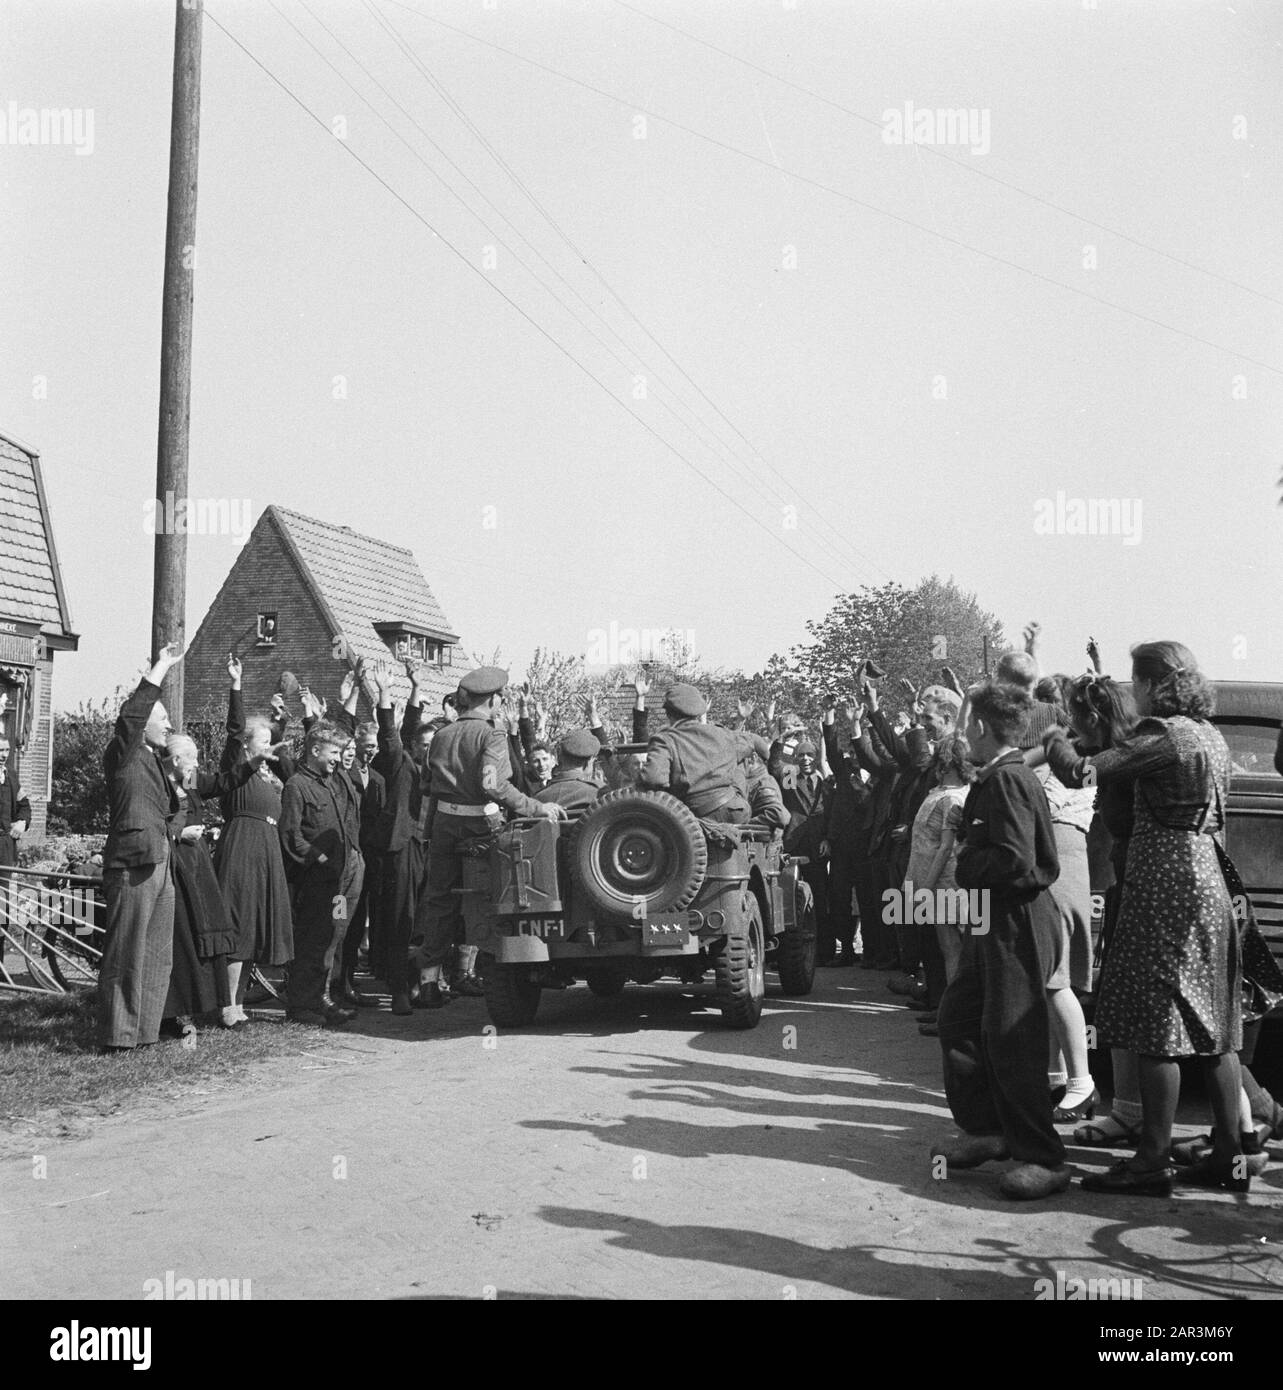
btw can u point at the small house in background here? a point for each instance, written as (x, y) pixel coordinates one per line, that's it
(34, 624)
(311, 598)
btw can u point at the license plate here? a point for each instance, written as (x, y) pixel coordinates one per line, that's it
(546, 928)
(659, 931)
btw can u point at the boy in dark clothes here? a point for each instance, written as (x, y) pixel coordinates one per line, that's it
(993, 1018)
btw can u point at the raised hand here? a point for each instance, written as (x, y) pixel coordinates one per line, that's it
(1031, 633)
(745, 708)
(950, 679)
(1093, 653)
(279, 712)
(770, 710)
(234, 669)
(641, 684)
(347, 685)
(412, 670)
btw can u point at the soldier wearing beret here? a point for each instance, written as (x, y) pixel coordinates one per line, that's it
(573, 784)
(470, 783)
(698, 762)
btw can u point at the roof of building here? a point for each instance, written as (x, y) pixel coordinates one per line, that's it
(30, 582)
(359, 581)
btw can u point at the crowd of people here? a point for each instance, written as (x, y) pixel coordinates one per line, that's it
(953, 845)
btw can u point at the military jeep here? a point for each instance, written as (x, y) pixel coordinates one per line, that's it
(637, 890)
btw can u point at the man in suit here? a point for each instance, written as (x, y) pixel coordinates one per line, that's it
(573, 783)
(138, 952)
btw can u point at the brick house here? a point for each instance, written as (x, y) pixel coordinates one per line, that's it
(309, 597)
(34, 624)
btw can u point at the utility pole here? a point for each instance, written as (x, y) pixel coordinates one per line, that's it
(169, 571)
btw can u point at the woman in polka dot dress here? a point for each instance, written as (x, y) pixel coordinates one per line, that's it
(1172, 984)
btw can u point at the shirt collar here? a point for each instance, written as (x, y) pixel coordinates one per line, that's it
(1013, 755)
(476, 714)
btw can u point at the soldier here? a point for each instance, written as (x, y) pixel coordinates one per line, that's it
(573, 784)
(470, 782)
(698, 762)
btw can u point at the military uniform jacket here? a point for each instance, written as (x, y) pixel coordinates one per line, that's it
(14, 807)
(571, 790)
(143, 801)
(469, 766)
(699, 763)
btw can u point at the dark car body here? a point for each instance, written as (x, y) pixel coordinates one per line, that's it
(1249, 715)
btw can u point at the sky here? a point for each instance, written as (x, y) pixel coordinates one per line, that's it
(867, 360)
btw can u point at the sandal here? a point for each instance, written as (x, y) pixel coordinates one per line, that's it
(1098, 1136)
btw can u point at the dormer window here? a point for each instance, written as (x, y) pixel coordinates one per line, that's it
(409, 642)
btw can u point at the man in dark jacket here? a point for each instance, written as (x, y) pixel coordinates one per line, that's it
(806, 799)
(138, 952)
(318, 854)
(993, 1018)
(845, 833)
(402, 832)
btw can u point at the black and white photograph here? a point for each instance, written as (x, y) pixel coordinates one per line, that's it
(641, 660)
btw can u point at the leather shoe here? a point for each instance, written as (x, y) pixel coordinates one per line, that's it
(903, 984)
(1126, 1179)
(1234, 1176)
(401, 1005)
(971, 1150)
(431, 996)
(469, 987)
(1027, 1182)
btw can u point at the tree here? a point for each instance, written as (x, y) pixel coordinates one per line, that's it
(78, 797)
(910, 633)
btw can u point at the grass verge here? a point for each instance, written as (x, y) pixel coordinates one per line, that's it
(52, 1078)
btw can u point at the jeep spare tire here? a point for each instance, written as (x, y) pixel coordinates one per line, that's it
(638, 854)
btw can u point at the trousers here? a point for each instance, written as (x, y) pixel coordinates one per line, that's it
(994, 1031)
(440, 913)
(403, 887)
(138, 955)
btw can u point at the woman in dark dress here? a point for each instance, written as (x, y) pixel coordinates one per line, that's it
(203, 932)
(249, 866)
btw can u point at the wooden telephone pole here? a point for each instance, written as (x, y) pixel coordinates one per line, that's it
(169, 572)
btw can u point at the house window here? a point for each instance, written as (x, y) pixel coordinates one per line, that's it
(267, 629)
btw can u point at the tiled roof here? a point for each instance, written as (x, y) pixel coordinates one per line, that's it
(363, 581)
(28, 590)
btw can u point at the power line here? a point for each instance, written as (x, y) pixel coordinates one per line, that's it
(843, 543)
(512, 303)
(833, 552)
(846, 197)
(958, 163)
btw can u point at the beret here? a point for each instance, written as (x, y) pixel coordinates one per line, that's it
(684, 701)
(579, 743)
(486, 680)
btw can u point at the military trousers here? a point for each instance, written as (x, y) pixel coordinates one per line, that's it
(440, 913)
